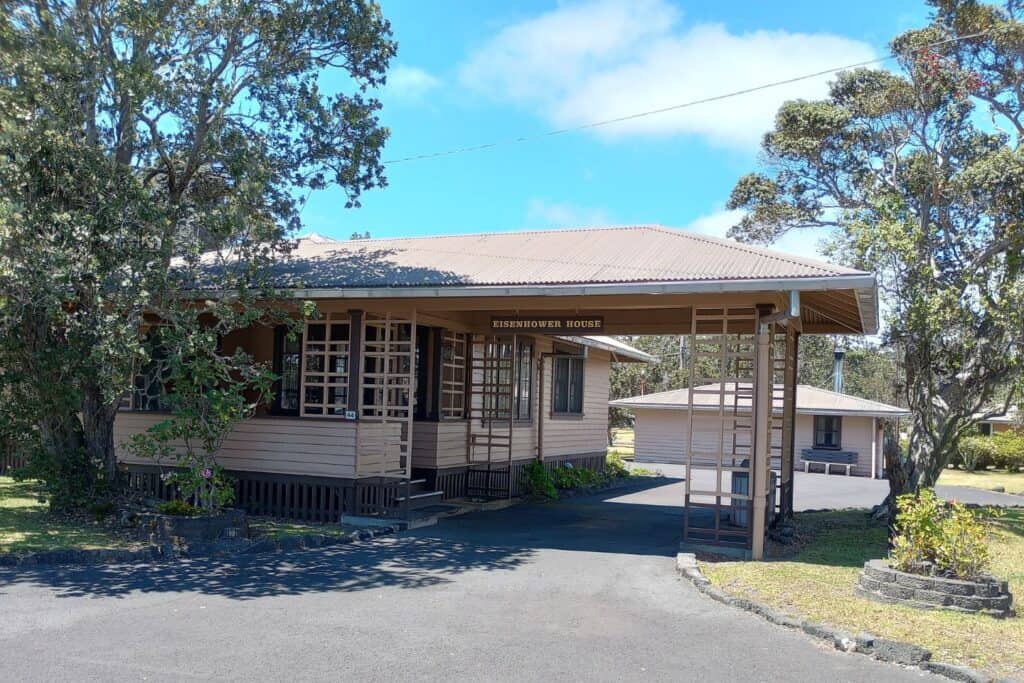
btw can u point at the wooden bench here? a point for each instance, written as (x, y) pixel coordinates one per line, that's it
(828, 458)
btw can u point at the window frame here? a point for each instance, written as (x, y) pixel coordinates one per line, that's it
(568, 412)
(838, 431)
(280, 339)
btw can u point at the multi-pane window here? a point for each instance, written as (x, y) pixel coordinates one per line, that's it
(325, 368)
(523, 393)
(288, 368)
(567, 385)
(149, 393)
(453, 376)
(828, 431)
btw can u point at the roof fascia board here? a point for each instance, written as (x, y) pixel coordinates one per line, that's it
(816, 284)
(799, 411)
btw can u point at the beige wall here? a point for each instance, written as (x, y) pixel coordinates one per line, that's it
(661, 437)
(282, 445)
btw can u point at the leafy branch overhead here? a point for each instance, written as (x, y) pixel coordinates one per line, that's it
(919, 172)
(137, 137)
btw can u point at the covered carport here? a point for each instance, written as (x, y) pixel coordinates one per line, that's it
(742, 308)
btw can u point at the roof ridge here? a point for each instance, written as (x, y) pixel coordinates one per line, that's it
(533, 231)
(750, 248)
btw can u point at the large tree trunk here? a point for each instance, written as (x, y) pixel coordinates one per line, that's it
(98, 427)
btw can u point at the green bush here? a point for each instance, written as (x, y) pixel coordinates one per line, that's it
(935, 538)
(1009, 451)
(977, 452)
(538, 480)
(616, 467)
(179, 508)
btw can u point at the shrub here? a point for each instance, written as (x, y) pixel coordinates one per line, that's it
(178, 507)
(616, 467)
(538, 480)
(1009, 451)
(935, 538)
(977, 452)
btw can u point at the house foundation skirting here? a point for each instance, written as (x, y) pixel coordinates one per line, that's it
(302, 498)
(456, 482)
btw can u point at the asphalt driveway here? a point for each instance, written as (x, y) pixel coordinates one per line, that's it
(577, 590)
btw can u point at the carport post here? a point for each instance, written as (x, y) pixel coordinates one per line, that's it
(762, 436)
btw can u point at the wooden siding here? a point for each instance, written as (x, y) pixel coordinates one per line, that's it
(299, 446)
(661, 437)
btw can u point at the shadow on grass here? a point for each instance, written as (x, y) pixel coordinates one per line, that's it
(501, 540)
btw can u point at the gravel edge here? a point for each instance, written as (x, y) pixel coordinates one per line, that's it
(894, 651)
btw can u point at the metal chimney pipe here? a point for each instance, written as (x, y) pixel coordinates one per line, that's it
(837, 371)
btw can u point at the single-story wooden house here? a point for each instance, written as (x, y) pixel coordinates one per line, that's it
(441, 366)
(833, 432)
(1000, 423)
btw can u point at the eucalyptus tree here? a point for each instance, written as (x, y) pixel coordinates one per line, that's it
(919, 171)
(135, 136)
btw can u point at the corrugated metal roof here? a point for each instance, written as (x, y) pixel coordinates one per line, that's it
(620, 351)
(633, 254)
(809, 400)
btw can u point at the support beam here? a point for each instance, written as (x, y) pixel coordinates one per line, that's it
(355, 360)
(762, 438)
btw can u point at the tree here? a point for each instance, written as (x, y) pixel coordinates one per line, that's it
(668, 371)
(134, 138)
(869, 371)
(919, 172)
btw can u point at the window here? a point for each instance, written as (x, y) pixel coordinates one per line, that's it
(324, 374)
(827, 431)
(567, 385)
(149, 393)
(524, 382)
(985, 428)
(288, 368)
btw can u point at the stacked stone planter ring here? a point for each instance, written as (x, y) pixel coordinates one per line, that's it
(878, 581)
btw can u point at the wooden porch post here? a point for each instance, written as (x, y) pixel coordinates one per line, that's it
(763, 392)
(355, 360)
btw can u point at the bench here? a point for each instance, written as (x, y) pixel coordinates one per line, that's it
(828, 458)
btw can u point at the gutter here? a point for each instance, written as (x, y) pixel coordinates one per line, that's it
(812, 284)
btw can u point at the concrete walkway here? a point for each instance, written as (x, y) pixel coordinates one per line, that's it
(817, 491)
(577, 590)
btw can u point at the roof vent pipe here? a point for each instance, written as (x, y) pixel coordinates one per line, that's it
(837, 371)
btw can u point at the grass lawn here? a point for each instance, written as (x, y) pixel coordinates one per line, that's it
(622, 443)
(817, 583)
(26, 525)
(1013, 482)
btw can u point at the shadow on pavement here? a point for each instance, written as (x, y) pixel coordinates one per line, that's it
(503, 540)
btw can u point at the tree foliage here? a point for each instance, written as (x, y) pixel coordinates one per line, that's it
(920, 171)
(133, 138)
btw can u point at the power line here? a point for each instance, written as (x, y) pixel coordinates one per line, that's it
(674, 107)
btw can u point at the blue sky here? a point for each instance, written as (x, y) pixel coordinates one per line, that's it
(474, 72)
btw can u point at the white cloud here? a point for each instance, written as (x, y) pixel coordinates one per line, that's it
(410, 82)
(603, 59)
(804, 242)
(542, 213)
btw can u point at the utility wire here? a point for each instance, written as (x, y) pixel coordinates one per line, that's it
(675, 107)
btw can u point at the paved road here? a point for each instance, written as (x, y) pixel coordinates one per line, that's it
(578, 590)
(816, 491)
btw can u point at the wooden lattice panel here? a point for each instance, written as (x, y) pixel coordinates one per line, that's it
(720, 438)
(388, 384)
(453, 376)
(325, 366)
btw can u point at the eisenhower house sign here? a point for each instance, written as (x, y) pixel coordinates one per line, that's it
(463, 358)
(548, 325)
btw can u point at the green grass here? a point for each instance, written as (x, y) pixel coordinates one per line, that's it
(1012, 482)
(26, 525)
(278, 529)
(817, 583)
(622, 443)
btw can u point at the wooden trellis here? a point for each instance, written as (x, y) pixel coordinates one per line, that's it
(492, 381)
(388, 386)
(325, 366)
(720, 441)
